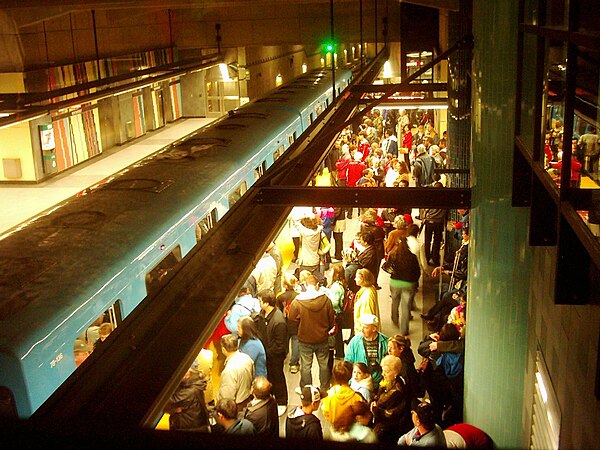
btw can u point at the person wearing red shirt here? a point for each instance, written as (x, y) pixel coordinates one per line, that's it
(342, 165)
(355, 170)
(364, 147)
(407, 143)
(575, 166)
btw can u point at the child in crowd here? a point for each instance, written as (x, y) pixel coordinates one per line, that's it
(361, 381)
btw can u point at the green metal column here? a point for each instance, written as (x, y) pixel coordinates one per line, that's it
(499, 255)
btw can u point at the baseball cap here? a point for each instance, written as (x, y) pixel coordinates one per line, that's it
(310, 392)
(80, 346)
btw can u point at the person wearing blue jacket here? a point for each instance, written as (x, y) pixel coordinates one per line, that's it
(369, 347)
(245, 305)
(251, 345)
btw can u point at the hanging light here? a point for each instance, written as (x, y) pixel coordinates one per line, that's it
(224, 72)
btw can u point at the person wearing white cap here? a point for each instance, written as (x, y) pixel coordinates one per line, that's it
(369, 347)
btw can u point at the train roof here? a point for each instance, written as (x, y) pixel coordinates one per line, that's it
(52, 262)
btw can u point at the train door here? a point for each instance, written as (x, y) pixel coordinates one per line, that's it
(158, 107)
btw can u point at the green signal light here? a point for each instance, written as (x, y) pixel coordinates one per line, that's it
(329, 47)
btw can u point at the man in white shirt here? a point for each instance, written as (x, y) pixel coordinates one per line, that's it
(297, 213)
(265, 273)
(237, 375)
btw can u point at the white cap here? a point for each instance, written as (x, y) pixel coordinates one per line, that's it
(369, 319)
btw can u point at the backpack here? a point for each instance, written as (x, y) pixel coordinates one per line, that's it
(348, 300)
(346, 318)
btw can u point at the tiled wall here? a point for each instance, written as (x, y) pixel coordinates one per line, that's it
(512, 313)
(499, 258)
(568, 338)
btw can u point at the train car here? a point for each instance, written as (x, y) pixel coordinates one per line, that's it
(105, 250)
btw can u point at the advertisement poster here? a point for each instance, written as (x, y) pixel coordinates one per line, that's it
(47, 137)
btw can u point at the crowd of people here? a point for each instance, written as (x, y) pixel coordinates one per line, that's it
(585, 152)
(92, 338)
(326, 306)
(390, 152)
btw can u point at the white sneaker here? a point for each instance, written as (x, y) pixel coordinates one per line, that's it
(281, 409)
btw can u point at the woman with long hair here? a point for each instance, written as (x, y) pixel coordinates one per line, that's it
(399, 346)
(403, 283)
(336, 291)
(284, 301)
(365, 301)
(252, 346)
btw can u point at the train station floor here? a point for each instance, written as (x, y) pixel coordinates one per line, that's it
(21, 202)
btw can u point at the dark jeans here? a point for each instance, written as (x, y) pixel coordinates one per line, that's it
(321, 351)
(339, 245)
(295, 351)
(277, 378)
(433, 241)
(339, 339)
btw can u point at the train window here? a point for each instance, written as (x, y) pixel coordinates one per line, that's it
(292, 138)
(205, 224)
(319, 109)
(237, 193)
(96, 332)
(113, 314)
(8, 408)
(277, 153)
(155, 277)
(327, 101)
(260, 170)
(310, 118)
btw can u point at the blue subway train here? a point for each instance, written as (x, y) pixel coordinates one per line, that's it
(97, 255)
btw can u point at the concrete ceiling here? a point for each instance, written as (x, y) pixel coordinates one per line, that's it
(31, 11)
